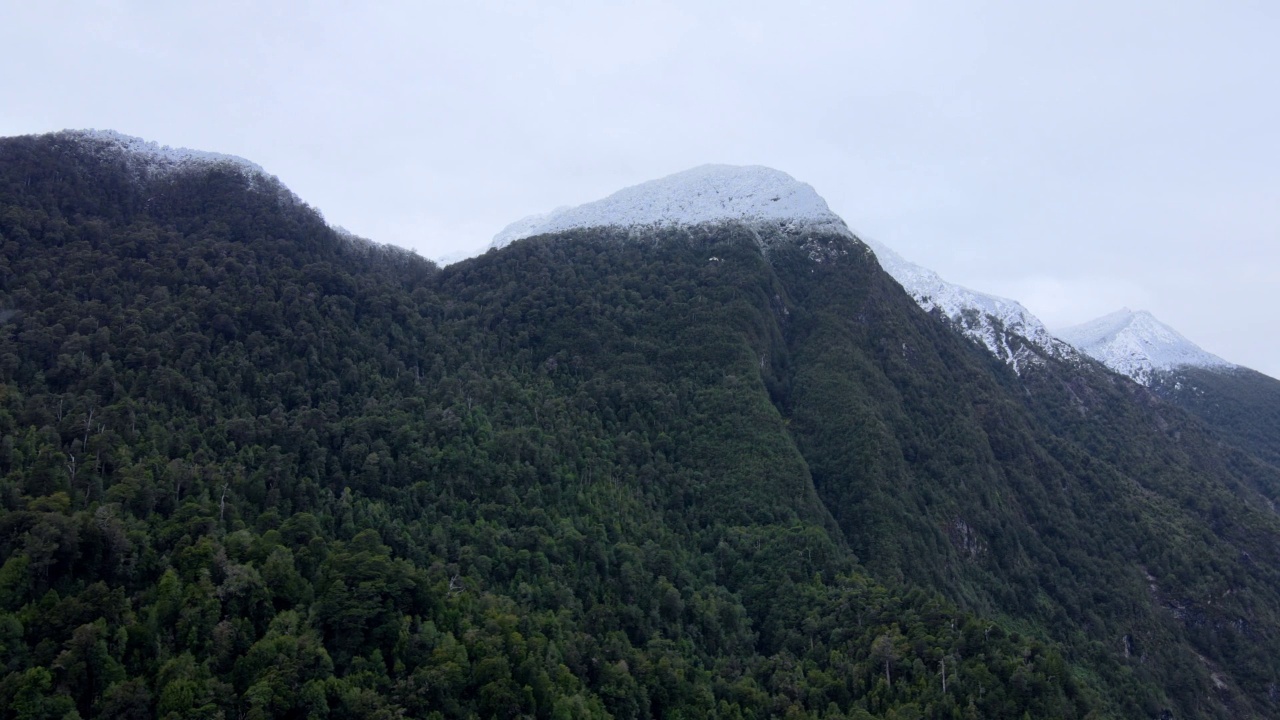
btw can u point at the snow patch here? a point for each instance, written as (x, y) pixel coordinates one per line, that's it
(757, 196)
(1137, 345)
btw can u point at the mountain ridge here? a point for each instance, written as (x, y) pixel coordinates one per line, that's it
(1004, 327)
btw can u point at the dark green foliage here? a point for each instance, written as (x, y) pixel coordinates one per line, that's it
(1240, 404)
(1077, 505)
(252, 468)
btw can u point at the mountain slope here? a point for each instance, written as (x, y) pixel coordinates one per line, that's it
(943, 475)
(1021, 498)
(1005, 328)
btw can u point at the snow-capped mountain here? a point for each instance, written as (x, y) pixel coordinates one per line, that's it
(1003, 326)
(768, 199)
(1137, 345)
(152, 156)
(760, 197)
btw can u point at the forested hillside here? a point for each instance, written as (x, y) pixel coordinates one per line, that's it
(1242, 405)
(254, 468)
(1068, 501)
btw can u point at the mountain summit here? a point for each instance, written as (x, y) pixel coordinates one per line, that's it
(757, 196)
(1138, 345)
(770, 200)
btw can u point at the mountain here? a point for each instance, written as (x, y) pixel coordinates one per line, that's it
(1138, 346)
(708, 465)
(767, 200)
(1004, 327)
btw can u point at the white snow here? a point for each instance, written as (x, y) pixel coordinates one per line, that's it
(757, 196)
(157, 156)
(1137, 345)
(992, 321)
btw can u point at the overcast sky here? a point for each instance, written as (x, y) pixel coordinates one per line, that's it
(1076, 156)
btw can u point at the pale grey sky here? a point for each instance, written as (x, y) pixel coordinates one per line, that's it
(1076, 156)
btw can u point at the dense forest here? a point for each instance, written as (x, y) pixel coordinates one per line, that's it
(1242, 405)
(252, 467)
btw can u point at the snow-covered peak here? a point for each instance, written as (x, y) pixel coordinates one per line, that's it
(1137, 345)
(1001, 325)
(155, 156)
(754, 195)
